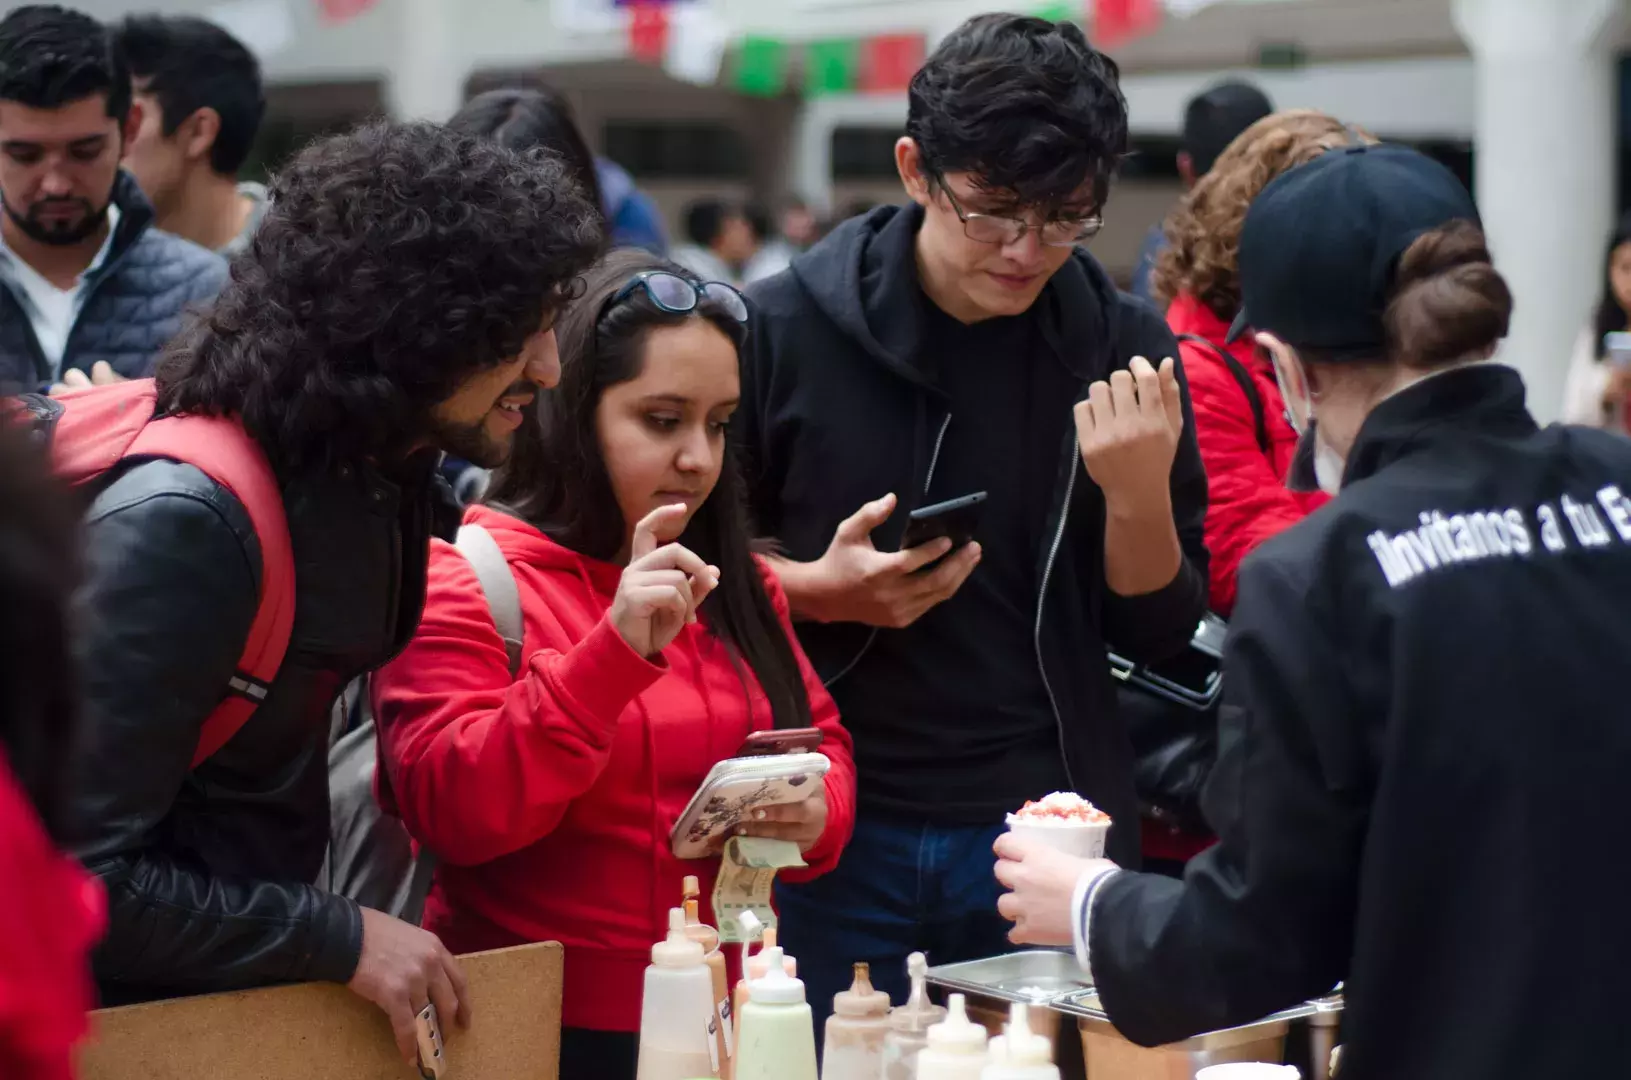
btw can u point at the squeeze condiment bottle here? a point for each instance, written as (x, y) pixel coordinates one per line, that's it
(909, 1024)
(1019, 1054)
(708, 938)
(856, 1031)
(754, 967)
(957, 1046)
(677, 1021)
(778, 1031)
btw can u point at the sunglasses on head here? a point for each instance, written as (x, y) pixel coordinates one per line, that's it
(681, 296)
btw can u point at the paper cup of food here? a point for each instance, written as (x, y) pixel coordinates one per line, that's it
(1065, 822)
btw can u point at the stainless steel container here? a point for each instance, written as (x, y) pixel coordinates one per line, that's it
(1036, 977)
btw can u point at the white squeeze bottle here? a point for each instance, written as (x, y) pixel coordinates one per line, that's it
(957, 1046)
(856, 1031)
(754, 967)
(1020, 1055)
(909, 1024)
(677, 1021)
(777, 1028)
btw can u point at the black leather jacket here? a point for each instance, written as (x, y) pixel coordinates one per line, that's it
(207, 869)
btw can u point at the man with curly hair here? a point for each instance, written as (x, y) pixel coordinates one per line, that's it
(397, 302)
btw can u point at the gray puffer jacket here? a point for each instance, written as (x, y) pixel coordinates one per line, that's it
(133, 306)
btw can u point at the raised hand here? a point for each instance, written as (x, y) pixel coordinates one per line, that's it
(661, 587)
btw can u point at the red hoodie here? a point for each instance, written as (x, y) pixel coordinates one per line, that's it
(53, 913)
(1248, 498)
(549, 799)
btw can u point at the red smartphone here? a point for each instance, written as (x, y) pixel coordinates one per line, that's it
(791, 741)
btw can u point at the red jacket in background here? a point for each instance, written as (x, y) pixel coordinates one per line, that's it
(53, 912)
(1249, 500)
(549, 799)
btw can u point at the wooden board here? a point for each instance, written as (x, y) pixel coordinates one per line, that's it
(321, 1031)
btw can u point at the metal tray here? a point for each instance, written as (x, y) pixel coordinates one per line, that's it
(1085, 1004)
(1035, 977)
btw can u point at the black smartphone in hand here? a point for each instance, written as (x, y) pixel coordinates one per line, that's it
(958, 519)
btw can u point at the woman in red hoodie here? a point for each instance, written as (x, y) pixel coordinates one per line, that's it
(1246, 442)
(1247, 446)
(654, 643)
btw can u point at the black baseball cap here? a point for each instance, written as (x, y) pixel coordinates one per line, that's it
(1322, 242)
(1215, 117)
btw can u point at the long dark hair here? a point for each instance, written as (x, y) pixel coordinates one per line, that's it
(1610, 315)
(39, 567)
(528, 118)
(556, 477)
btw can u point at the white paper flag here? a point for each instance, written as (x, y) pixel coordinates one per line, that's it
(697, 40)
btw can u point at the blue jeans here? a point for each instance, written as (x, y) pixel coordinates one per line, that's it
(900, 888)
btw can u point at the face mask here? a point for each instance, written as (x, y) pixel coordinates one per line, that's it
(1315, 466)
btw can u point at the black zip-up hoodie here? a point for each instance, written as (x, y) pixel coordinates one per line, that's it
(839, 408)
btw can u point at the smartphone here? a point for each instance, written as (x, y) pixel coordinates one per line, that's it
(804, 740)
(1617, 347)
(957, 518)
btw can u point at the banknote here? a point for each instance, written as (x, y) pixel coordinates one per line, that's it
(747, 874)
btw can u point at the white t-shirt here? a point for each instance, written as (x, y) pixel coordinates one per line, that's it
(52, 311)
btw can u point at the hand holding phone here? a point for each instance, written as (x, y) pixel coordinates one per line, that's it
(855, 582)
(955, 520)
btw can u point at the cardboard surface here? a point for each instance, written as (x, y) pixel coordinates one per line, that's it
(320, 1031)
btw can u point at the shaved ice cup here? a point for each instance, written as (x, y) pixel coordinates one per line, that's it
(1083, 840)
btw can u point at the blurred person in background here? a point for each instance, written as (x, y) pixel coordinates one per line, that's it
(1424, 726)
(1598, 390)
(720, 240)
(200, 93)
(90, 288)
(800, 227)
(1212, 119)
(52, 909)
(365, 332)
(653, 643)
(926, 352)
(774, 252)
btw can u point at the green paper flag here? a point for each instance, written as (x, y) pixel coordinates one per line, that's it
(1064, 12)
(761, 67)
(832, 67)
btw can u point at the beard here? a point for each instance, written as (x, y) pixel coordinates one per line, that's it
(60, 232)
(473, 442)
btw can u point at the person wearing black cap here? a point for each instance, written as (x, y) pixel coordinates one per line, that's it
(1425, 730)
(1213, 119)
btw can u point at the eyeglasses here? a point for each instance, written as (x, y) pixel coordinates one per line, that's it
(679, 296)
(994, 229)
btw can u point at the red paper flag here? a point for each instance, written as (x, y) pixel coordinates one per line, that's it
(1116, 22)
(648, 30)
(889, 62)
(339, 11)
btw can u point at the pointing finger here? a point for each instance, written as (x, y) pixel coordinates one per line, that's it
(644, 541)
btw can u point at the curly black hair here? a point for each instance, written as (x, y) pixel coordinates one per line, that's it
(396, 261)
(1027, 106)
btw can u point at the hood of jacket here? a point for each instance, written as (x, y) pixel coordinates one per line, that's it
(863, 276)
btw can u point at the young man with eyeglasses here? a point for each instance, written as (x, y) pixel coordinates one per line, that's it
(926, 353)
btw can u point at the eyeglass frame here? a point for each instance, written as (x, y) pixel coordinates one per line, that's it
(1090, 226)
(699, 293)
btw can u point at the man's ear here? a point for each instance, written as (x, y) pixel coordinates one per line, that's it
(133, 124)
(199, 132)
(909, 163)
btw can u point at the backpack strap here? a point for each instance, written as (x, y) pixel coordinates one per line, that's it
(221, 449)
(485, 557)
(1248, 386)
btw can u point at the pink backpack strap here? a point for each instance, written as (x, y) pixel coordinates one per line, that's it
(223, 451)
